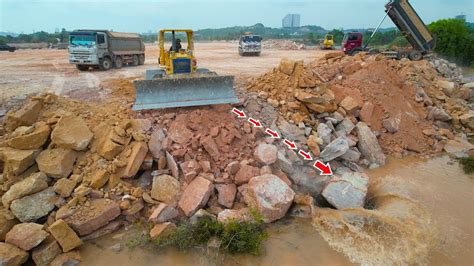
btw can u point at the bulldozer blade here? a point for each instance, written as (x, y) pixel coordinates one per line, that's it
(172, 92)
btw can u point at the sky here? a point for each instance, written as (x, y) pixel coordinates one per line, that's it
(149, 15)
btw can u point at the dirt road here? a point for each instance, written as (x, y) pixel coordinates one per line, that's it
(32, 71)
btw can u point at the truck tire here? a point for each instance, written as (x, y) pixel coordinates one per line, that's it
(118, 62)
(355, 51)
(135, 61)
(82, 67)
(106, 64)
(415, 55)
(402, 54)
(141, 59)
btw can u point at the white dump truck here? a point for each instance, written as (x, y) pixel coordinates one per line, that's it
(105, 49)
(250, 44)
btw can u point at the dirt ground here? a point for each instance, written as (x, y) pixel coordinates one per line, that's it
(31, 71)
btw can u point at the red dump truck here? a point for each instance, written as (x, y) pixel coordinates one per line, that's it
(410, 25)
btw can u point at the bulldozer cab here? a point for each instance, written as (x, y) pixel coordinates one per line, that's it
(177, 60)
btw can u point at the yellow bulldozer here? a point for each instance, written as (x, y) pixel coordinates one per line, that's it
(328, 42)
(178, 82)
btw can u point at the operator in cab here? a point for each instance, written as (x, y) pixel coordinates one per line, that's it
(177, 46)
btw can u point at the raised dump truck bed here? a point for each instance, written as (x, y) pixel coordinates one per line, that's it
(410, 25)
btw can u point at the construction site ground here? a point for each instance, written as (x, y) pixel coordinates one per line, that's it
(32, 71)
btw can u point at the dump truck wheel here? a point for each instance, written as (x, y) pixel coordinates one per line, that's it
(82, 67)
(135, 60)
(355, 51)
(106, 64)
(141, 59)
(415, 55)
(118, 62)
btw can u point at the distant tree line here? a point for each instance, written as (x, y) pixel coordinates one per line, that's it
(37, 37)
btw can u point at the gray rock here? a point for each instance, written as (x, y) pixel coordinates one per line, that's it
(352, 155)
(330, 125)
(308, 181)
(391, 124)
(368, 144)
(284, 163)
(201, 214)
(347, 191)
(32, 184)
(324, 133)
(291, 131)
(334, 149)
(438, 113)
(346, 126)
(33, 207)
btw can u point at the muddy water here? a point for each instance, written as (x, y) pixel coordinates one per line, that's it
(443, 235)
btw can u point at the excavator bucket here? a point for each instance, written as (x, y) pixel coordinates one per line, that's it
(169, 92)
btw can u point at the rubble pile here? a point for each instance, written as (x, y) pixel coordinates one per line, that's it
(282, 44)
(73, 172)
(348, 106)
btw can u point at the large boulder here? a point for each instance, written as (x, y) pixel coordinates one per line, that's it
(32, 184)
(195, 196)
(165, 188)
(31, 208)
(86, 219)
(211, 147)
(346, 191)
(30, 140)
(65, 236)
(64, 187)
(155, 144)
(26, 116)
(45, 253)
(266, 153)
(368, 145)
(335, 149)
(324, 133)
(467, 119)
(10, 255)
(226, 194)
(179, 132)
(56, 163)
(163, 213)
(26, 235)
(17, 161)
(270, 196)
(65, 259)
(7, 221)
(245, 173)
(71, 132)
(138, 153)
(438, 113)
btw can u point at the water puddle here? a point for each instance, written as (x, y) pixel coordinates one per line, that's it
(425, 205)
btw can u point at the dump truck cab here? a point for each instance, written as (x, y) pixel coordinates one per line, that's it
(351, 42)
(105, 49)
(250, 44)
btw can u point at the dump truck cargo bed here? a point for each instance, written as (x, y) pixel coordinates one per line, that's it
(410, 25)
(183, 91)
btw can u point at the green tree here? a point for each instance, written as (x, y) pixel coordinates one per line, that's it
(338, 35)
(3, 40)
(454, 40)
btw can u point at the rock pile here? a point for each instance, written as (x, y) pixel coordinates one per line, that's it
(283, 44)
(355, 109)
(71, 174)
